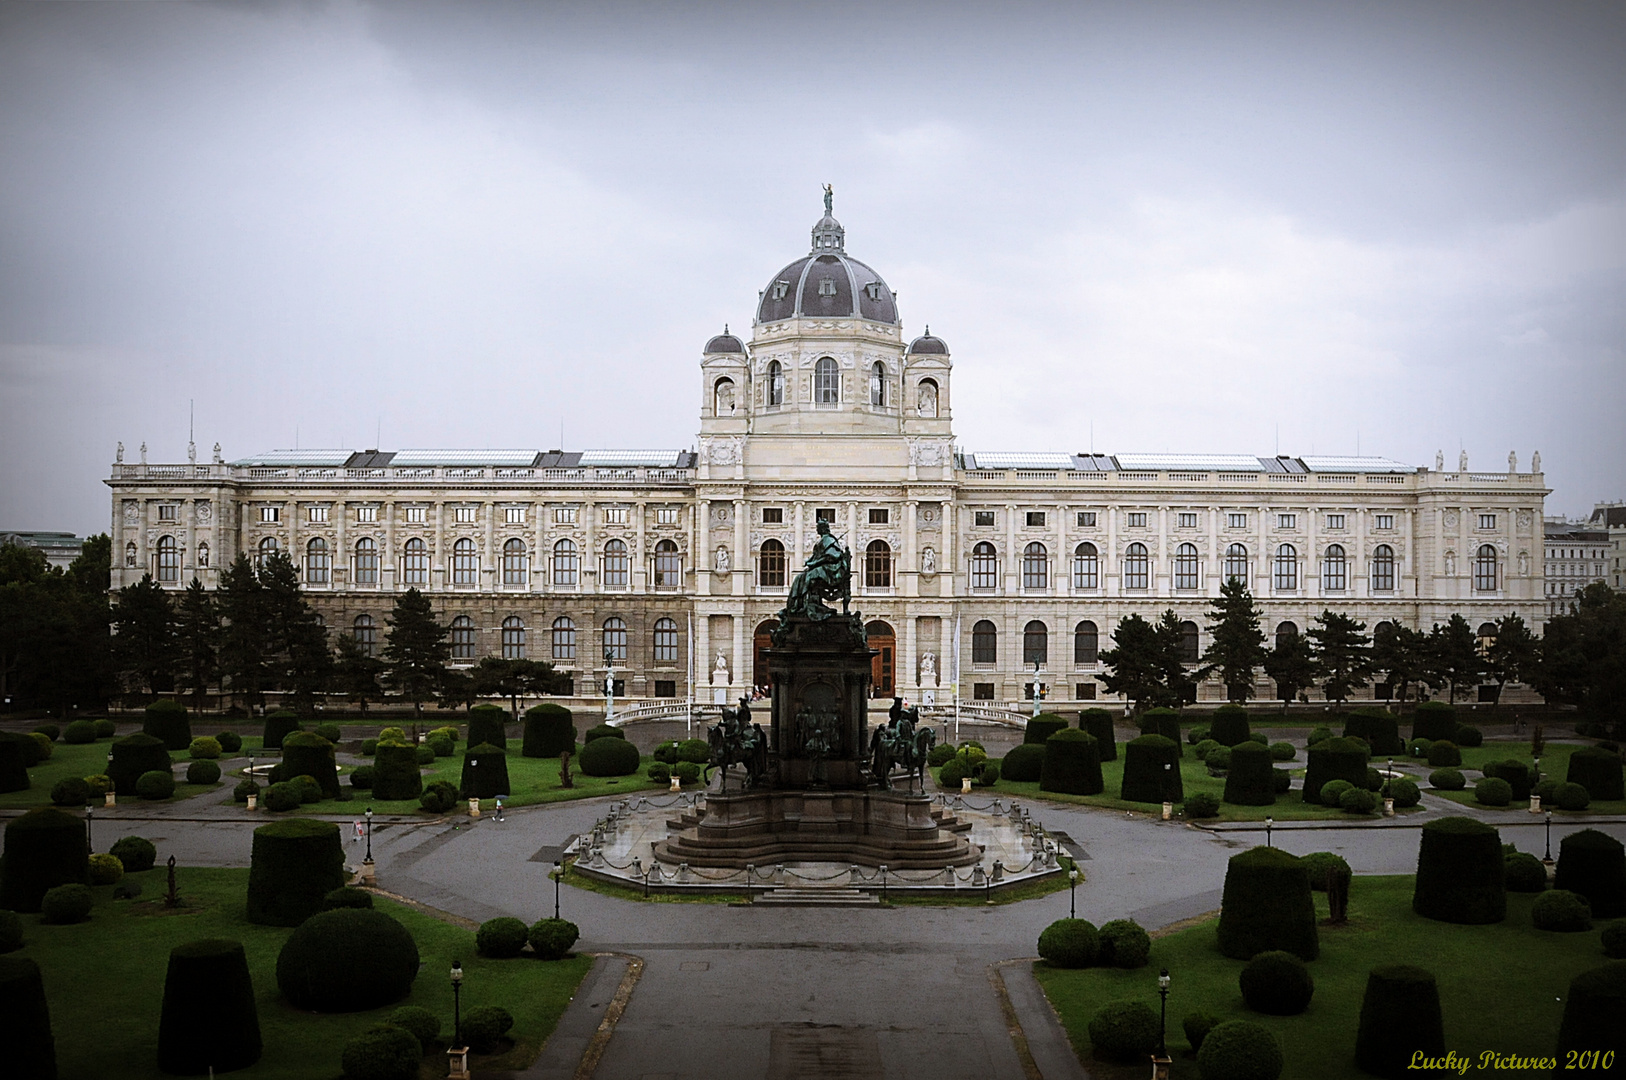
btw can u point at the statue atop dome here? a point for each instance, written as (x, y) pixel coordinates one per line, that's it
(829, 200)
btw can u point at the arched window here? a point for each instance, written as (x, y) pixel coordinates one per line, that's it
(268, 548)
(926, 398)
(984, 566)
(1287, 568)
(1284, 631)
(1086, 643)
(1035, 566)
(615, 638)
(465, 563)
(1485, 569)
(366, 634)
(1035, 643)
(666, 641)
(513, 638)
(1137, 567)
(1086, 567)
(771, 564)
(776, 385)
(169, 559)
(513, 562)
(1236, 563)
(1185, 566)
(415, 563)
(723, 397)
(203, 554)
(566, 563)
(1383, 568)
(877, 385)
(984, 643)
(1486, 633)
(616, 564)
(1190, 650)
(826, 382)
(878, 565)
(1334, 569)
(130, 554)
(564, 638)
(318, 562)
(668, 565)
(366, 561)
(462, 638)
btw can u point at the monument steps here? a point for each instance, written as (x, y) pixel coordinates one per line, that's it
(790, 896)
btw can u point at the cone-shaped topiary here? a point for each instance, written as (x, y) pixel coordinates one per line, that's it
(305, 753)
(347, 960)
(1592, 1012)
(485, 772)
(1043, 726)
(30, 1050)
(13, 767)
(1240, 1050)
(609, 757)
(488, 724)
(1071, 764)
(295, 864)
(132, 757)
(1334, 759)
(167, 720)
(1460, 875)
(277, 727)
(1098, 722)
(1249, 781)
(44, 848)
(550, 730)
(1597, 770)
(1378, 727)
(1267, 906)
(1593, 864)
(1230, 725)
(1164, 722)
(1024, 763)
(395, 772)
(1434, 720)
(1400, 1016)
(1145, 778)
(209, 1019)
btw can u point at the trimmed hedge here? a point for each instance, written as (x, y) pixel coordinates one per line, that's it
(383, 1052)
(278, 726)
(230, 742)
(550, 730)
(1098, 722)
(1248, 781)
(1164, 722)
(1468, 735)
(488, 724)
(1493, 791)
(1572, 797)
(80, 732)
(1071, 763)
(1447, 779)
(438, 797)
(1443, 753)
(1378, 727)
(485, 772)
(1561, 911)
(1070, 943)
(347, 960)
(1230, 725)
(602, 731)
(1592, 1011)
(155, 786)
(11, 932)
(1405, 793)
(1400, 1016)
(500, 938)
(1593, 864)
(209, 1019)
(66, 904)
(1434, 720)
(1144, 775)
(395, 772)
(1201, 804)
(483, 1025)
(1196, 1026)
(1460, 877)
(424, 1025)
(609, 757)
(103, 869)
(132, 756)
(1277, 983)
(1524, 873)
(70, 791)
(202, 772)
(1024, 763)
(204, 746)
(167, 720)
(305, 753)
(1267, 906)
(1597, 770)
(1613, 940)
(44, 848)
(294, 865)
(1124, 1031)
(1124, 944)
(137, 853)
(1335, 759)
(1324, 867)
(1240, 1050)
(551, 939)
(1041, 727)
(14, 762)
(347, 896)
(30, 1049)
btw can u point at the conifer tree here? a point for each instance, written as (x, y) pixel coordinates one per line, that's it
(1512, 654)
(1291, 666)
(356, 674)
(415, 650)
(244, 642)
(197, 634)
(144, 641)
(1454, 654)
(1342, 651)
(1236, 646)
(1399, 656)
(1138, 663)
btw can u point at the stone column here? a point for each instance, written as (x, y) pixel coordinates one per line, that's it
(742, 649)
(295, 556)
(437, 554)
(341, 558)
(539, 567)
(948, 560)
(739, 566)
(389, 567)
(491, 559)
(799, 544)
(1012, 559)
(702, 544)
(909, 572)
(640, 556)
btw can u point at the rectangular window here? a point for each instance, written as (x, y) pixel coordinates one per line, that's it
(983, 519)
(1086, 519)
(983, 691)
(615, 515)
(270, 513)
(825, 513)
(1085, 691)
(666, 688)
(169, 512)
(1335, 521)
(1236, 521)
(1487, 521)
(1036, 518)
(879, 517)
(1286, 521)
(564, 515)
(1385, 521)
(666, 515)
(366, 513)
(1188, 521)
(773, 515)
(1137, 519)
(513, 515)
(415, 515)
(316, 513)
(464, 514)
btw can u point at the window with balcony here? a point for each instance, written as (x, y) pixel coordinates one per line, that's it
(514, 563)
(415, 562)
(465, 563)
(364, 568)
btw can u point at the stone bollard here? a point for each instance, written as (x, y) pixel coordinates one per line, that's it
(683, 873)
(999, 871)
(978, 878)
(676, 784)
(1535, 804)
(474, 808)
(852, 875)
(779, 875)
(253, 800)
(1388, 808)
(965, 785)
(108, 799)
(1168, 811)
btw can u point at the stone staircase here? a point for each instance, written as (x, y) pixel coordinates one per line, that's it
(791, 896)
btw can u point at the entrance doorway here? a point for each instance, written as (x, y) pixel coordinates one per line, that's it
(760, 643)
(882, 666)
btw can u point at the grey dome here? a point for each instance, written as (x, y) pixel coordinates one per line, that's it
(725, 343)
(827, 283)
(927, 344)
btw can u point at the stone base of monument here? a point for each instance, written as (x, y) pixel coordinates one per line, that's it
(874, 828)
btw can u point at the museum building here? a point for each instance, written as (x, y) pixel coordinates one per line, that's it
(673, 563)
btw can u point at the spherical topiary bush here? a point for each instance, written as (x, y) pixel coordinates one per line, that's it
(1493, 791)
(1434, 720)
(1515, 773)
(1248, 782)
(105, 729)
(1124, 943)
(1196, 1026)
(1240, 1050)
(305, 753)
(362, 778)
(44, 848)
(1201, 805)
(550, 730)
(383, 1052)
(1524, 873)
(952, 773)
(103, 869)
(278, 725)
(369, 747)
(1447, 779)
(1593, 864)
(1571, 797)
(609, 757)
(294, 865)
(1597, 770)
(1283, 751)
(1267, 905)
(283, 797)
(1041, 727)
(209, 1019)
(1218, 760)
(202, 772)
(204, 746)
(1098, 722)
(167, 721)
(155, 786)
(1124, 1031)
(1400, 1016)
(1277, 983)
(1404, 793)
(985, 775)
(1333, 790)
(438, 797)
(137, 853)
(551, 939)
(659, 772)
(1613, 940)
(1592, 1012)
(66, 904)
(1356, 801)
(1443, 754)
(1071, 764)
(330, 731)
(396, 774)
(1334, 759)
(347, 960)
(80, 732)
(70, 791)
(133, 756)
(1418, 748)
(1459, 873)
(1468, 735)
(424, 1025)
(488, 724)
(483, 1025)
(347, 896)
(11, 932)
(230, 742)
(1561, 911)
(485, 772)
(30, 1049)
(1317, 736)
(1281, 781)
(1024, 763)
(1145, 779)
(1203, 747)
(1164, 722)
(938, 756)
(1070, 943)
(602, 731)
(500, 938)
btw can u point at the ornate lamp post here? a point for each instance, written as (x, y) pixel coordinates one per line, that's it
(1072, 891)
(558, 873)
(1270, 823)
(1548, 857)
(90, 846)
(1535, 800)
(1168, 802)
(457, 1052)
(1160, 1061)
(369, 858)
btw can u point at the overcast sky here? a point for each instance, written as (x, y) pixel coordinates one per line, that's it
(1199, 227)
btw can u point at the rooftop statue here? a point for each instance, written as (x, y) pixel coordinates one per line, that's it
(828, 576)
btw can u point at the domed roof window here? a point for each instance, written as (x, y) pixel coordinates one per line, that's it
(827, 283)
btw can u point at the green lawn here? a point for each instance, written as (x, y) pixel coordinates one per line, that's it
(89, 759)
(1501, 986)
(104, 980)
(1555, 763)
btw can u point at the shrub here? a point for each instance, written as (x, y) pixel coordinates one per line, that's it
(1281, 781)
(1283, 751)
(209, 1019)
(133, 755)
(278, 726)
(687, 772)
(1219, 759)
(166, 720)
(156, 786)
(1240, 1050)
(1266, 905)
(952, 774)
(11, 932)
(1333, 790)
(424, 753)
(245, 787)
(500, 938)
(1434, 720)
(1493, 791)
(424, 1025)
(346, 960)
(1230, 725)
(346, 896)
(1374, 780)
(1468, 735)
(98, 784)
(369, 747)
(280, 798)
(80, 732)
(50, 731)
(1164, 722)
(1124, 943)
(1203, 748)
(1071, 763)
(449, 733)
(1145, 777)
(105, 729)
(43, 746)
(1259, 737)
(137, 853)
(1404, 793)
(103, 869)
(1597, 770)
(1197, 1025)
(938, 755)
(438, 797)
(1024, 763)
(1277, 984)
(1041, 727)
(1459, 873)
(1322, 867)
(392, 734)
(329, 731)
(483, 1025)
(1613, 937)
(44, 848)
(1592, 1013)
(1379, 728)
(694, 751)
(1593, 864)
(485, 772)
(1356, 801)
(660, 772)
(488, 724)
(1070, 943)
(1524, 873)
(1447, 779)
(971, 754)
(70, 791)
(294, 865)
(1443, 752)
(204, 746)
(1558, 910)
(383, 1052)
(66, 904)
(396, 774)
(202, 772)
(1571, 797)
(1098, 722)
(30, 1050)
(1202, 805)
(1335, 759)
(550, 730)
(230, 742)
(1400, 1014)
(1318, 735)
(1124, 1031)
(551, 939)
(440, 745)
(1418, 748)
(609, 756)
(362, 778)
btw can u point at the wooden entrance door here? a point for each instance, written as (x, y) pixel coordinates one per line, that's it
(883, 666)
(761, 642)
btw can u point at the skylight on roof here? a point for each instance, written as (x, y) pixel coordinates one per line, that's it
(1227, 462)
(1325, 463)
(464, 458)
(626, 459)
(1016, 460)
(311, 458)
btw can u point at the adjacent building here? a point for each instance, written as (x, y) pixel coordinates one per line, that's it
(1578, 554)
(59, 548)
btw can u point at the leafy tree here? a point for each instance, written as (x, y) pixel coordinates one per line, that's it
(456, 690)
(1454, 651)
(1400, 656)
(1291, 666)
(1343, 655)
(245, 642)
(144, 641)
(197, 637)
(1583, 656)
(356, 673)
(513, 679)
(1512, 654)
(1138, 663)
(415, 650)
(1236, 646)
(55, 650)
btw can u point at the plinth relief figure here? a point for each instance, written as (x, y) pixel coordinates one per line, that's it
(928, 670)
(827, 576)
